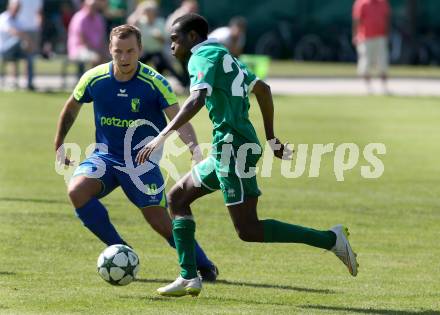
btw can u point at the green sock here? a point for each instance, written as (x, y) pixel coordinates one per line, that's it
(183, 232)
(280, 232)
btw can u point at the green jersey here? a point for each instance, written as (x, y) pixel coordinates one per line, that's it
(228, 83)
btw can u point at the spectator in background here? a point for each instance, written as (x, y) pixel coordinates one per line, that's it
(30, 18)
(77, 4)
(232, 36)
(152, 28)
(187, 6)
(67, 12)
(11, 38)
(53, 32)
(86, 35)
(116, 13)
(371, 23)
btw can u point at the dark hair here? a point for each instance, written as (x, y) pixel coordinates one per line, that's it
(193, 22)
(125, 31)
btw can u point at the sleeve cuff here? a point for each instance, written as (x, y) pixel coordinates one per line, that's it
(201, 86)
(76, 99)
(252, 84)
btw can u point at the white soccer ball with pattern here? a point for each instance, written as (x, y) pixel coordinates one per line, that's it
(118, 264)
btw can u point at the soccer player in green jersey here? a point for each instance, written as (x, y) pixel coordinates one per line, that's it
(223, 84)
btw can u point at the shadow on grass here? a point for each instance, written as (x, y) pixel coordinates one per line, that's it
(7, 273)
(143, 298)
(276, 286)
(54, 201)
(253, 285)
(368, 310)
(246, 301)
(153, 280)
(33, 200)
(211, 298)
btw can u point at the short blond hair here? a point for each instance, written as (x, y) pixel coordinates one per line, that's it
(125, 31)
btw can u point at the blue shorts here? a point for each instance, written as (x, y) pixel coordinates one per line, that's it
(106, 171)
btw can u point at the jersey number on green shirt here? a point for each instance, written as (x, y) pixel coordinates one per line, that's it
(237, 84)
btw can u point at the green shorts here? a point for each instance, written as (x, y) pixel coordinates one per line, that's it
(235, 182)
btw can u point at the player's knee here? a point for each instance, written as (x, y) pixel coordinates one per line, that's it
(72, 192)
(176, 200)
(77, 196)
(246, 234)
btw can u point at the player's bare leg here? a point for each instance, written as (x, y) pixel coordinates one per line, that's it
(183, 194)
(245, 219)
(180, 198)
(81, 189)
(159, 220)
(250, 229)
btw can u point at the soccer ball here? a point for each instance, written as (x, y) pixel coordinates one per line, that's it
(118, 264)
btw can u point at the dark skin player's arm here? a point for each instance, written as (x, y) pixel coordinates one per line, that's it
(265, 101)
(190, 108)
(196, 101)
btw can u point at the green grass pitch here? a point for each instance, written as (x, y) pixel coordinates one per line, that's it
(48, 258)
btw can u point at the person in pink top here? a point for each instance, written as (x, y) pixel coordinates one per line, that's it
(86, 35)
(371, 22)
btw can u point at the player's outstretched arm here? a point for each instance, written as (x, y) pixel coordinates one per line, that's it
(265, 101)
(190, 108)
(65, 121)
(264, 98)
(186, 132)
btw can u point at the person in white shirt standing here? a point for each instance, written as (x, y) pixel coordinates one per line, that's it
(152, 27)
(12, 40)
(232, 36)
(30, 20)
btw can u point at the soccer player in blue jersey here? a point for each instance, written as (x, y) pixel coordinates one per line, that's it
(129, 98)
